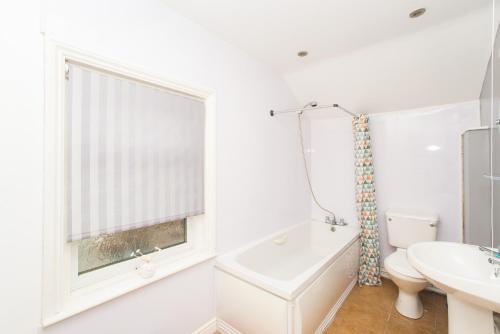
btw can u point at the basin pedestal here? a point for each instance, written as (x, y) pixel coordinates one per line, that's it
(467, 318)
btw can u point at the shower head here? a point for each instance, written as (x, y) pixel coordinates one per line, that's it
(312, 104)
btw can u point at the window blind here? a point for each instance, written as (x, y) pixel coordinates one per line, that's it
(134, 154)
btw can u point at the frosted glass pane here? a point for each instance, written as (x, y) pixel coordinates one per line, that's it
(104, 250)
(495, 139)
(477, 188)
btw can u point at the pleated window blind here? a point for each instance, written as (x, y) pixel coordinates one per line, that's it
(134, 154)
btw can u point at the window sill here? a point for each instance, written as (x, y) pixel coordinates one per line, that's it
(92, 296)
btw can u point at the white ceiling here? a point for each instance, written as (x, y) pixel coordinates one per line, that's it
(275, 30)
(443, 64)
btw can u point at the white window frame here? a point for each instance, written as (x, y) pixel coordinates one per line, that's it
(194, 233)
(65, 294)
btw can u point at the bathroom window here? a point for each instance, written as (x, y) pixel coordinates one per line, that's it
(134, 154)
(133, 168)
(129, 171)
(108, 249)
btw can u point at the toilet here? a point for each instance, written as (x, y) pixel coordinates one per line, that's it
(404, 228)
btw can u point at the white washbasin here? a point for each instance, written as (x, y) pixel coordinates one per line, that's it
(464, 273)
(458, 269)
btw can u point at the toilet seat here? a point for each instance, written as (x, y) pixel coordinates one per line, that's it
(397, 263)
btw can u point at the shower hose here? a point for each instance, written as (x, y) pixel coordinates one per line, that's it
(315, 199)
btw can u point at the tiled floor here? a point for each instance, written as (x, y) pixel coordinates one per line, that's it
(370, 310)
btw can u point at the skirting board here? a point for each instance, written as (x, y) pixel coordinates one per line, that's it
(327, 321)
(225, 328)
(210, 327)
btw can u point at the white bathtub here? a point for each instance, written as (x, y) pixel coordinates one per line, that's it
(291, 282)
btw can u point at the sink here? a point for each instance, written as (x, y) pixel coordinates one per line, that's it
(463, 272)
(459, 269)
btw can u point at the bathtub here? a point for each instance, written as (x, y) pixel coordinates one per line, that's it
(291, 282)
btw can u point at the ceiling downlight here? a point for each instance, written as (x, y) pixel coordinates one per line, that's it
(417, 13)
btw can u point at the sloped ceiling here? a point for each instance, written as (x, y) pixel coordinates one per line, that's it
(440, 65)
(367, 55)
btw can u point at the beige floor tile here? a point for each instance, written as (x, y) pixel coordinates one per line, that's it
(352, 327)
(374, 319)
(396, 326)
(371, 310)
(440, 303)
(428, 300)
(427, 322)
(365, 295)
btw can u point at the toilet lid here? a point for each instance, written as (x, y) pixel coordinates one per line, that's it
(398, 262)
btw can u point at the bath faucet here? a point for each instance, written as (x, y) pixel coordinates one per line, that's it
(342, 222)
(332, 220)
(496, 263)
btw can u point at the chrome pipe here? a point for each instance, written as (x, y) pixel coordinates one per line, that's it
(345, 110)
(307, 108)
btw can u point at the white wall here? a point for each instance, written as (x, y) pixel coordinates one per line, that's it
(408, 172)
(440, 65)
(20, 166)
(260, 185)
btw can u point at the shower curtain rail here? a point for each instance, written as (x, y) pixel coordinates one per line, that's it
(307, 108)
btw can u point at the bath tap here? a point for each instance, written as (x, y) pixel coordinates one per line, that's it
(333, 221)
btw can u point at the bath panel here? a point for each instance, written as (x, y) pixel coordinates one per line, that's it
(290, 282)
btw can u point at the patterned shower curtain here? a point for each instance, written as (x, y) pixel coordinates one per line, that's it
(369, 262)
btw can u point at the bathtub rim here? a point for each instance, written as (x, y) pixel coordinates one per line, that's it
(290, 289)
